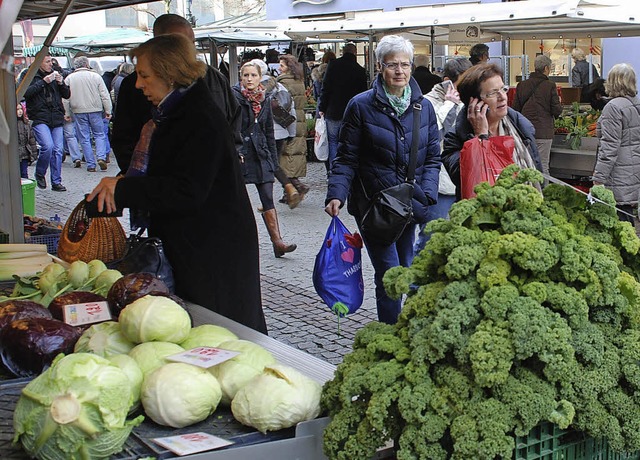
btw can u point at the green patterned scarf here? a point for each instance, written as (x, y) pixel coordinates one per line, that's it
(399, 103)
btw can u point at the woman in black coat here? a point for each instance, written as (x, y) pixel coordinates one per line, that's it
(258, 154)
(189, 183)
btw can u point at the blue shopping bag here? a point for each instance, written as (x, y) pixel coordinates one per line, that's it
(337, 272)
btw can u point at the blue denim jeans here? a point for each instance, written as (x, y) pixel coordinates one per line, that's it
(333, 131)
(107, 143)
(87, 125)
(437, 211)
(382, 259)
(50, 141)
(71, 141)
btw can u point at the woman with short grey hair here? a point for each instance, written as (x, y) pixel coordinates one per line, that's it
(373, 154)
(618, 128)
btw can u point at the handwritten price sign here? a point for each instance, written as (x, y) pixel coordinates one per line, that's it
(204, 356)
(191, 443)
(86, 313)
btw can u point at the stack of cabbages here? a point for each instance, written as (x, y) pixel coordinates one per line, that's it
(521, 309)
(79, 407)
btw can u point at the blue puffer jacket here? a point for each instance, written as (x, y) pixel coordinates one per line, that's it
(374, 150)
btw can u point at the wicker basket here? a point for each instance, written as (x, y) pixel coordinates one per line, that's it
(84, 238)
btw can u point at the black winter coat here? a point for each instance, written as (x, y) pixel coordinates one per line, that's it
(374, 147)
(343, 79)
(134, 110)
(426, 80)
(454, 141)
(200, 209)
(44, 101)
(258, 153)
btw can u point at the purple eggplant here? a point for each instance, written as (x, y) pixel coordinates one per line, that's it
(11, 310)
(28, 346)
(131, 287)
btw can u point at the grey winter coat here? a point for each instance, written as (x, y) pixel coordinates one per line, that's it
(618, 162)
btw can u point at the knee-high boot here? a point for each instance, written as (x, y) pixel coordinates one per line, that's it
(302, 188)
(280, 248)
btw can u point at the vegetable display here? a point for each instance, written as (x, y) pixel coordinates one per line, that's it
(152, 318)
(179, 395)
(28, 346)
(76, 409)
(277, 398)
(22, 260)
(520, 309)
(239, 370)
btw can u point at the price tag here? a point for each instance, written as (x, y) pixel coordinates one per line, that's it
(191, 443)
(203, 356)
(86, 313)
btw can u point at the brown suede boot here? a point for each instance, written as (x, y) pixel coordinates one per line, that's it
(293, 197)
(280, 248)
(302, 189)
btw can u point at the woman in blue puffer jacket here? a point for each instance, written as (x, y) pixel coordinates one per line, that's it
(373, 154)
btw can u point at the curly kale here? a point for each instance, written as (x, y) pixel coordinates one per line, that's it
(522, 308)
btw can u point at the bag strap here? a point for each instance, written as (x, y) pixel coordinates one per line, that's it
(413, 156)
(533, 91)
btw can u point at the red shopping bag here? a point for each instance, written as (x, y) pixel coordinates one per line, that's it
(483, 161)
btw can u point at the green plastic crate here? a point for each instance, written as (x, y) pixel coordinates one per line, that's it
(548, 442)
(28, 197)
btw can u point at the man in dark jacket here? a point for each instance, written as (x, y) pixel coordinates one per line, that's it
(44, 107)
(343, 79)
(426, 80)
(537, 99)
(134, 110)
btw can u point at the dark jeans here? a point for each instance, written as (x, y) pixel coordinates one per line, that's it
(437, 211)
(633, 210)
(24, 172)
(382, 259)
(333, 132)
(265, 192)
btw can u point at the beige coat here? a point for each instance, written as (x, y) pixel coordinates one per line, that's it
(293, 160)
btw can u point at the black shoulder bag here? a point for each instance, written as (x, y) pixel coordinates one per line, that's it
(145, 255)
(390, 210)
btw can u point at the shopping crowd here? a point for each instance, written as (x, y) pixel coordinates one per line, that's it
(187, 144)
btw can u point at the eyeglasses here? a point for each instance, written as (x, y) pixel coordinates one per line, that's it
(397, 65)
(493, 94)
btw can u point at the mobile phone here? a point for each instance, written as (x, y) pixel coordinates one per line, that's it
(446, 84)
(91, 207)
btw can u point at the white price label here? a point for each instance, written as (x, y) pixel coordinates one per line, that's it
(191, 443)
(86, 313)
(204, 356)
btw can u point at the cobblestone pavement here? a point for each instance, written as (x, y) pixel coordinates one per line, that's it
(294, 312)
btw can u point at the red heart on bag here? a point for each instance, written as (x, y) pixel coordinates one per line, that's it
(348, 255)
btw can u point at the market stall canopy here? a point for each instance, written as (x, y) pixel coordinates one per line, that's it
(37, 9)
(527, 19)
(110, 42)
(247, 28)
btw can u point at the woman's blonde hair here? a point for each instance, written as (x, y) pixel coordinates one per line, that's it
(255, 65)
(621, 81)
(173, 58)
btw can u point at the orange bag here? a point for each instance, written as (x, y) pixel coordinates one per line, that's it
(483, 161)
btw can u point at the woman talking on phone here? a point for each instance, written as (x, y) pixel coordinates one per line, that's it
(484, 94)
